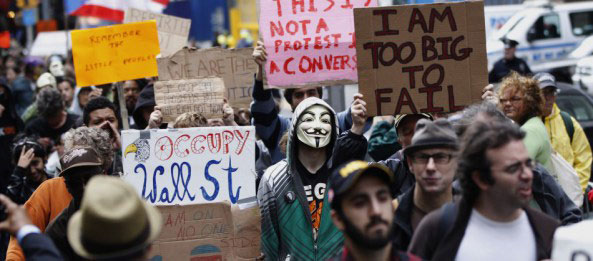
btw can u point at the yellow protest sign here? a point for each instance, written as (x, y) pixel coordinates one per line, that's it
(115, 53)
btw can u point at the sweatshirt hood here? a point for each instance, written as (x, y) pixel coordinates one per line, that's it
(293, 142)
(145, 99)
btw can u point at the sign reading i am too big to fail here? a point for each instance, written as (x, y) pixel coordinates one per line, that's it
(421, 58)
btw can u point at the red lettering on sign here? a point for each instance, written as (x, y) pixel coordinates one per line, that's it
(276, 29)
(427, 72)
(274, 67)
(279, 7)
(379, 99)
(452, 106)
(298, 3)
(418, 18)
(321, 25)
(411, 74)
(465, 52)
(384, 13)
(404, 99)
(348, 5)
(429, 99)
(286, 66)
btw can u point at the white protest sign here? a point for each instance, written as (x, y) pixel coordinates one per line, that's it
(191, 166)
(573, 242)
(173, 31)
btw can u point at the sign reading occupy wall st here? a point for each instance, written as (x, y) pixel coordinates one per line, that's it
(115, 53)
(309, 42)
(421, 58)
(191, 166)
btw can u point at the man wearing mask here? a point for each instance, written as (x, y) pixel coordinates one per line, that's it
(291, 193)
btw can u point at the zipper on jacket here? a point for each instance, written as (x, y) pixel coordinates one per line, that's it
(315, 249)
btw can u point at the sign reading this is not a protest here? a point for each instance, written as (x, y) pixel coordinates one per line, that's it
(191, 166)
(421, 58)
(309, 42)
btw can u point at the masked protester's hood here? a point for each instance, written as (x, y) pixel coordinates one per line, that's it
(145, 99)
(293, 141)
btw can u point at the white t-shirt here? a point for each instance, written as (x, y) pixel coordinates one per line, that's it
(485, 240)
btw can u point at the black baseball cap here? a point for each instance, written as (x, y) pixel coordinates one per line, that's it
(345, 177)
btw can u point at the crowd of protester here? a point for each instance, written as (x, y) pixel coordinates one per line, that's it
(482, 178)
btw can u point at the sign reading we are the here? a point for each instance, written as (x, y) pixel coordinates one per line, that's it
(191, 166)
(421, 58)
(115, 53)
(309, 42)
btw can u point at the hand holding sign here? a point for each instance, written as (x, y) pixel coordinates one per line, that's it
(359, 114)
(260, 56)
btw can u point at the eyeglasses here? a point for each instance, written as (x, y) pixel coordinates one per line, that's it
(513, 100)
(438, 158)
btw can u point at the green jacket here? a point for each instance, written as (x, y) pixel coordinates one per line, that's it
(287, 229)
(537, 141)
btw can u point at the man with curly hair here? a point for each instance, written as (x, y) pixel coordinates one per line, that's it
(53, 119)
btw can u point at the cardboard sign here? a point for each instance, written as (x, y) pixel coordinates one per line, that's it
(573, 242)
(191, 166)
(421, 58)
(115, 53)
(309, 43)
(173, 31)
(208, 232)
(235, 66)
(175, 97)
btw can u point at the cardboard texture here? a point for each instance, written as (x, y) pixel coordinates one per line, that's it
(176, 97)
(173, 31)
(235, 66)
(111, 53)
(191, 165)
(421, 58)
(309, 43)
(212, 231)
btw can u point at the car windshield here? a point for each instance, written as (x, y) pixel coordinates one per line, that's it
(577, 106)
(584, 49)
(508, 26)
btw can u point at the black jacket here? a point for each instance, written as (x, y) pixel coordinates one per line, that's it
(57, 231)
(503, 67)
(145, 99)
(402, 234)
(552, 200)
(38, 246)
(404, 178)
(10, 125)
(20, 188)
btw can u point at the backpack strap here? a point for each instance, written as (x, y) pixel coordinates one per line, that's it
(568, 124)
(447, 219)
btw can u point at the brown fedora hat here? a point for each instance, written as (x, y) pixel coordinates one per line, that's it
(113, 221)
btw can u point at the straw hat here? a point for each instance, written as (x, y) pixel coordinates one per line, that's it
(113, 221)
